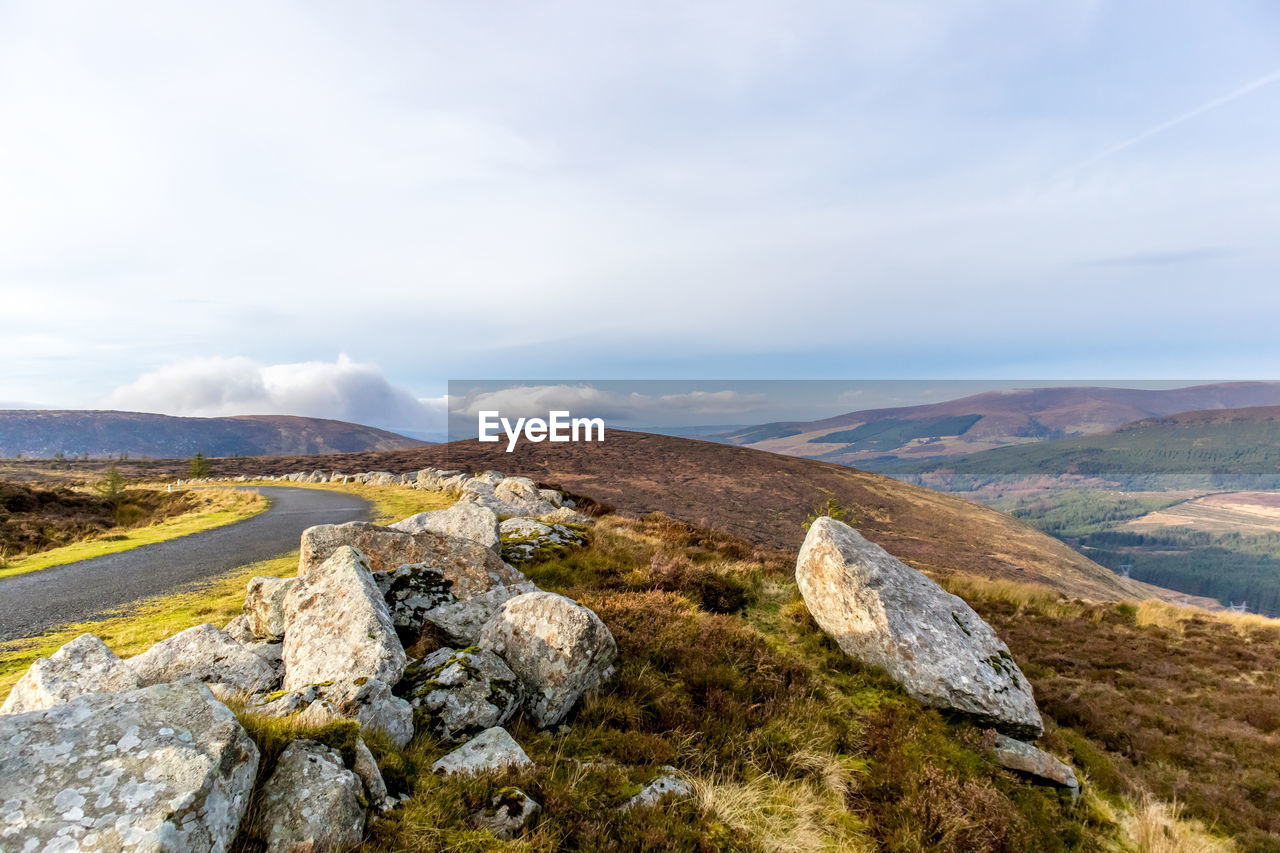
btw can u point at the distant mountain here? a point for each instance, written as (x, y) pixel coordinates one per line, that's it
(44, 433)
(1221, 448)
(882, 438)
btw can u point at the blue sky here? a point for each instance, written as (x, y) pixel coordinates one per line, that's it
(333, 209)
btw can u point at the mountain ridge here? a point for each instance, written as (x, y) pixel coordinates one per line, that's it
(43, 433)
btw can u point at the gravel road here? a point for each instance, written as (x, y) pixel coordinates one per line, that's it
(38, 601)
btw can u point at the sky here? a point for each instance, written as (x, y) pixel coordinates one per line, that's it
(333, 209)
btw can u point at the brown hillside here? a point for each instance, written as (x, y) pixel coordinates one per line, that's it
(763, 497)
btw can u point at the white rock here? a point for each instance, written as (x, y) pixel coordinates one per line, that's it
(507, 814)
(205, 653)
(264, 606)
(886, 614)
(557, 647)
(311, 802)
(470, 567)
(666, 785)
(238, 629)
(1025, 758)
(163, 768)
(463, 520)
(84, 665)
(337, 626)
(492, 749)
(459, 692)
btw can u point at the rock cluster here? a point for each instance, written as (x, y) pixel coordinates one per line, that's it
(421, 626)
(888, 615)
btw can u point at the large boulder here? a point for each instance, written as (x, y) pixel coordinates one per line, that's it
(337, 626)
(205, 653)
(456, 693)
(886, 614)
(162, 768)
(312, 802)
(461, 622)
(510, 496)
(471, 567)
(463, 520)
(84, 665)
(264, 606)
(557, 647)
(492, 749)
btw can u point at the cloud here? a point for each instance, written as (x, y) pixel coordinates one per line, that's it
(342, 390)
(625, 407)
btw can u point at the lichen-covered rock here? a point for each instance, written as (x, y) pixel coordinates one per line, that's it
(365, 766)
(507, 814)
(464, 520)
(459, 692)
(558, 648)
(492, 749)
(238, 629)
(311, 802)
(412, 590)
(264, 606)
(205, 653)
(460, 623)
(886, 614)
(668, 784)
(162, 768)
(471, 567)
(524, 539)
(84, 665)
(1025, 758)
(368, 701)
(337, 626)
(551, 496)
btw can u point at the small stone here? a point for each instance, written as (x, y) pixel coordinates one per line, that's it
(507, 814)
(492, 749)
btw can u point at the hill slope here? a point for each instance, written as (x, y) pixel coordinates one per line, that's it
(1231, 447)
(41, 434)
(762, 497)
(984, 421)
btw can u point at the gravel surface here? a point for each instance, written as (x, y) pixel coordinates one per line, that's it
(76, 592)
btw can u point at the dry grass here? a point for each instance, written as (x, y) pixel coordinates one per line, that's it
(1162, 614)
(212, 508)
(1153, 826)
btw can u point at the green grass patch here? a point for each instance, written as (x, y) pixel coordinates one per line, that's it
(134, 629)
(242, 505)
(390, 503)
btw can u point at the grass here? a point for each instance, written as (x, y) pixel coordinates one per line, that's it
(390, 503)
(215, 508)
(136, 628)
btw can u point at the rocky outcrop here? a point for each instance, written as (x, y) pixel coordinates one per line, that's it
(312, 802)
(163, 768)
(492, 749)
(463, 520)
(470, 567)
(264, 606)
(524, 539)
(509, 496)
(507, 814)
(886, 614)
(558, 648)
(337, 626)
(412, 590)
(83, 666)
(459, 692)
(205, 653)
(1033, 761)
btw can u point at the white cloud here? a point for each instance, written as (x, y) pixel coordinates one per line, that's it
(342, 390)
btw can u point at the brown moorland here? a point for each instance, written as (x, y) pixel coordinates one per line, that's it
(758, 496)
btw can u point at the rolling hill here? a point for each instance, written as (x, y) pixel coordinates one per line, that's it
(1226, 448)
(44, 433)
(762, 497)
(884, 437)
